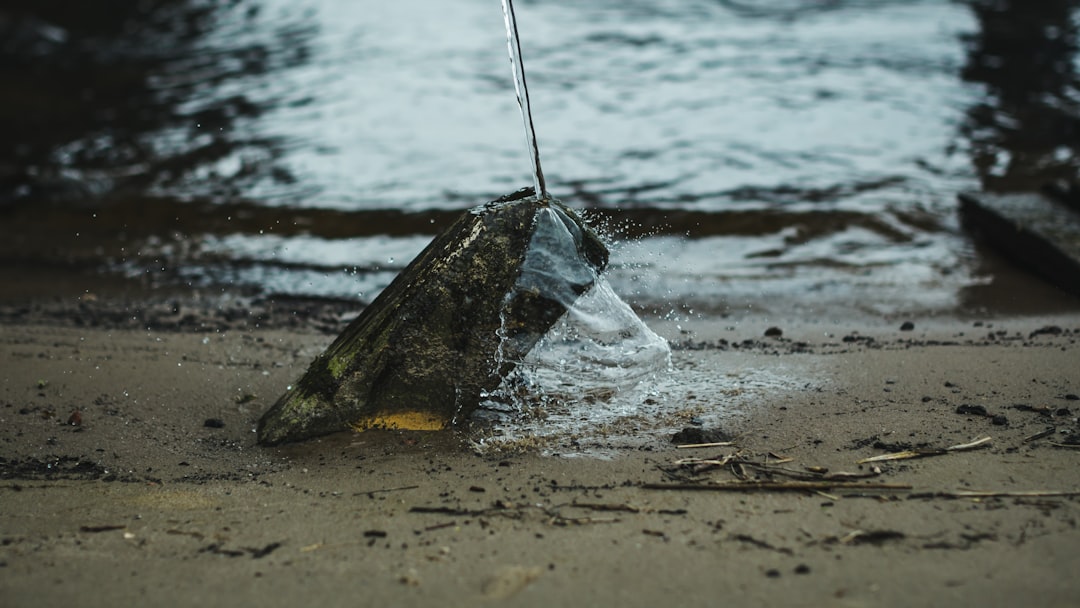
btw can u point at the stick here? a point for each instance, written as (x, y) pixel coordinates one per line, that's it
(715, 444)
(1001, 494)
(447, 511)
(605, 507)
(777, 459)
(440, 526)
(776, 486)
(373, 492)
(968, 446)
(695, 461)
(924, 453)
(1040, 435)
(809, 475)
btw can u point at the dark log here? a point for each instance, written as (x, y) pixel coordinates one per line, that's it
(449, 327)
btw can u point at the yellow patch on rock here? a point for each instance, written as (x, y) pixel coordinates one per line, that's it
(402, 421)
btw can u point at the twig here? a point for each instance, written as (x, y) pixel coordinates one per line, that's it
(715, 444)
(924, 453)
(1039, 435)
(449, 511)
(695, 460)
(1071, 446)
(559, 520)
(372, 493)
(777, 486)
(875, 537)
(971, 445)
(606, 507)
(777, 459)
(440, 526)
(105, 528)
(808, 475)
(750, 540)
(1001, 494)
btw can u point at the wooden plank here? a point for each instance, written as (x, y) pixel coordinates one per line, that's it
(449, 327)
(1030, 229)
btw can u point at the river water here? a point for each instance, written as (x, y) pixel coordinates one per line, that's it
(785, 157)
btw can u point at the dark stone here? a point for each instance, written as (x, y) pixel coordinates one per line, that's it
(449, 327)
(1049, 330)
(907, 326)
(974, 410)
(774, 332)
(214, 423)
(693, 434)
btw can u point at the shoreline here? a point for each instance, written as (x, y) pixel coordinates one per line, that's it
(144, 500)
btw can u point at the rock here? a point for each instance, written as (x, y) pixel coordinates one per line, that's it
(694, 435)
(449, 327)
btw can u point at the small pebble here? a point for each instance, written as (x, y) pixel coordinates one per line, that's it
(907, 326)
(214, 423)
(774, 332)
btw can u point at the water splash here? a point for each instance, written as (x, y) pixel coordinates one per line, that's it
(513, 45)
(597, 366)
(599, 355)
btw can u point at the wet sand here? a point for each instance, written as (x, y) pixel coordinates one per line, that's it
(159, 493)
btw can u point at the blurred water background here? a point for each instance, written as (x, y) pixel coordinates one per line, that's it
(775, 156)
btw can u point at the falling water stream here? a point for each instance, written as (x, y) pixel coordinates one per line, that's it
(517, 63)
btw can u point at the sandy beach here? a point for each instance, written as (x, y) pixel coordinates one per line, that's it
(130, 475)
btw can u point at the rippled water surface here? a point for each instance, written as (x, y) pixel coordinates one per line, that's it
(781, 155)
